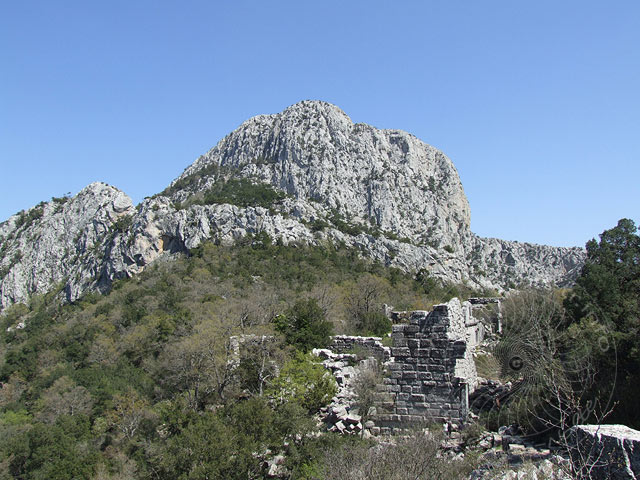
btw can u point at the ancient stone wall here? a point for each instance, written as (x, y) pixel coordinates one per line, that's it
(369, 346)
(496, 321)
(432, 369)
(429, 370)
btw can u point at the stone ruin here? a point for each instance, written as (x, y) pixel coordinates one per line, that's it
(432, 371)
(429, 377)
(496, 321)
(601, 452)
(368, 346)
(429, 370)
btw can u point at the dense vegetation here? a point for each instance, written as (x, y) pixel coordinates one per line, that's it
(242, 192)
(228, 188)
(577, 351)
(144, 382)
(606, 302)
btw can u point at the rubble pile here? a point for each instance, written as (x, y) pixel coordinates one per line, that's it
(341, 415)
(489, 394)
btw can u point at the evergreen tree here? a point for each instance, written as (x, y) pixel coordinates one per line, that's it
(304, 325)
(607, 296)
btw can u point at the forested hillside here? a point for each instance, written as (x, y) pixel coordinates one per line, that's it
(141, 383)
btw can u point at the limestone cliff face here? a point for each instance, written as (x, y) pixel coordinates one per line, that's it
(62, 241)
(406, 197)
(387, 178)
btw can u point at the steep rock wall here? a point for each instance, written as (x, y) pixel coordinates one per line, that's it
(60, 242)
(312, 150)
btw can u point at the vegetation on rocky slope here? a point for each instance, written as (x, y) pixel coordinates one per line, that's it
(142, 382)
(572, 355)
(242, 192)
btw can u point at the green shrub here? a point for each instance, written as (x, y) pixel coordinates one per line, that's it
(123, 223)
(305, 382)
(341, 224)
(61, 200)
(374, 323)
(203, 446)
(27, 218)
(243, 193)
(58, 451)
(318, 225)
(304, 325)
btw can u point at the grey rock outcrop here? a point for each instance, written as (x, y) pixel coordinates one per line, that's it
(405, 196)
(605, 452)
(313, 151)
(60, 242)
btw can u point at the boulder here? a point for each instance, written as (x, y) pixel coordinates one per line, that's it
(605, 452)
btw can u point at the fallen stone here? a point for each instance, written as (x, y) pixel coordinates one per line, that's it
(605, 451)
(516, 449)
(322, 353)
(353, 419)
(485, 444)
(275, 466)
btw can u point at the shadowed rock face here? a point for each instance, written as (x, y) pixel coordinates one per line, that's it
(605, 451)
(387, 181)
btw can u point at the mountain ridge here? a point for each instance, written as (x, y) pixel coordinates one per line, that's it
(385, 192)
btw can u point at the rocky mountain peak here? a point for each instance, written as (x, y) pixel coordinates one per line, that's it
(59, 241)
(316, 178)
(316, 109)
(387, 179)
(322, 114)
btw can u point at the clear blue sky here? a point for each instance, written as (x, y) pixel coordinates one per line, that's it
(537, 103)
